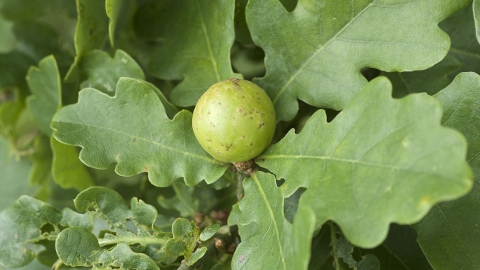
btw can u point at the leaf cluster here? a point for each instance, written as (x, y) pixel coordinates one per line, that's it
(375, 161)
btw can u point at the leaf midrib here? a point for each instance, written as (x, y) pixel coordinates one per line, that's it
(272, 216)
(139, 138)
(207, 40)
(463, 52)
(182, 199)
(455, 233)
(326, 158)
(319, 50)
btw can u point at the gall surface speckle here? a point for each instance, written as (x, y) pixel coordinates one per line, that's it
(224, 128)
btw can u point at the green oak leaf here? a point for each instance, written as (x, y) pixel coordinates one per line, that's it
(197, 37)
(263, 227)
(476, 17)
(108, 204)
(361, 168)
(430, 80)
(115, 11)
(42, 161)
(183, 201)
(369, 262)
(8, 41)
(315, 53)
(90, 33)
(20, 225)
(209, 232)
(320, 249)
(36, 40)
(143, 214)
(132, 130)
(105, 204)
(242, 33)
(461, 29)
(343, 250)
(449, 234)
(9, 115)
(71, 218)
(67, 170)
(124, 257)
(13, 68)
(185, 237)
(15, 175)
(196, 255)
(46, 88)
(400, 250)
(103, 71)
(87, 252)
(22, 10)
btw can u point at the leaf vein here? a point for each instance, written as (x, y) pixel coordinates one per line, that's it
(207, 40)
(455, 233)
(272, 216)
(314, 55)
(145, 140)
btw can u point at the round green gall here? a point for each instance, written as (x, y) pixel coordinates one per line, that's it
(234, 121)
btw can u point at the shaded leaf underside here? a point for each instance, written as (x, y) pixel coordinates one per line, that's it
(449, 234)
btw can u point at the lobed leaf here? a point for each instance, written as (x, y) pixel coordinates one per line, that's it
(209, 232)
(185, 236)
(21, 224)
(71, 218)
(315, 52)
(16, 10)
(461, 29)
(449, 234)
(15, 175)
(42, 162)
(197, 37)
(108, 204)
(8, 41)
(67, 170)
(115, 11)
(400, 250)
(103, 72)
(269, 241)
(360, 168)
(35, 39)
(45, 84)
(476, 14)
(121, 244)
(13, 68)
(90, 33)
(77, 246)
(132, 130)
(183, 201)
(369, 262)
(196, 255)
(143, 214)
(430, 80)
